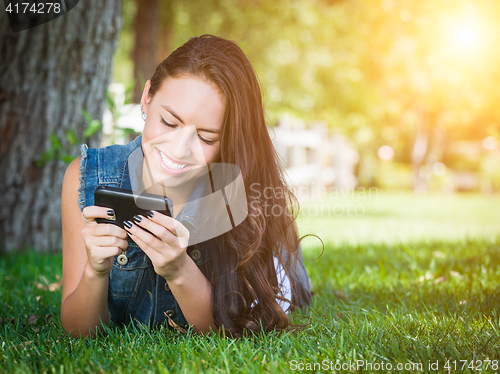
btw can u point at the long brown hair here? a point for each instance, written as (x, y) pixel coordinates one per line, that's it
(241, 261)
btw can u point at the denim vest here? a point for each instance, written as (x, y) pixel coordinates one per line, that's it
(135, 291)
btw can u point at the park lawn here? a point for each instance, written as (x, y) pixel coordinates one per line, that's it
(413, 280)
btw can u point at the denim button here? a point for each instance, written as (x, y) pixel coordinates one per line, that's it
(170, 313)
(195, 254)
(167, 288)
(122, 259)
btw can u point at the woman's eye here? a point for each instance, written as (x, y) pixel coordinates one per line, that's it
(206, 141)
(171, 125)
(168, 124)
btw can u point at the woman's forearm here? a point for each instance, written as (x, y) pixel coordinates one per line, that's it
(193, 292)
(84, 309)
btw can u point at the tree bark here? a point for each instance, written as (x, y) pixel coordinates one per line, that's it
(146, 34)
(48, 74)
(164, 47)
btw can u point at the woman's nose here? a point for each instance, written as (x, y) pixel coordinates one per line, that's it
(183, 141)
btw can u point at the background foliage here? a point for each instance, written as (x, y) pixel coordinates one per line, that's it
(378, 71)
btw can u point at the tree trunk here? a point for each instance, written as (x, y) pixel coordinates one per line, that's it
(146, 34)
(164, 47)
(48, 74)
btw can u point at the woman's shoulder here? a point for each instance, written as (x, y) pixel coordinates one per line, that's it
(71, 181)
(72, 171)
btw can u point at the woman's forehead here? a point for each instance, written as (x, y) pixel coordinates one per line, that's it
(188, 82)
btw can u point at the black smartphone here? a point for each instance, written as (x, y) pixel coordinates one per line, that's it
(126, 205)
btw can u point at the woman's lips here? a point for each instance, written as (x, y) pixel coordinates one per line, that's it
(170, 170)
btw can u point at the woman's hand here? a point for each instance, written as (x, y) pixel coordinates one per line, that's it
(103, 241)
(167, 251)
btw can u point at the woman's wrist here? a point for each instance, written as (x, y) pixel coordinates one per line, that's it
(91, 274)
(183, 274)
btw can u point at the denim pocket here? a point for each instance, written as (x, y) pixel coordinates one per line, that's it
(124, 281)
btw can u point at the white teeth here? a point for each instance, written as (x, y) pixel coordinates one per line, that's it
(171, 164)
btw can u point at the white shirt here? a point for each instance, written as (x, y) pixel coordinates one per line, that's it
(283, 284)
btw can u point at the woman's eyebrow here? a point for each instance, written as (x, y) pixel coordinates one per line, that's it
(171, 111)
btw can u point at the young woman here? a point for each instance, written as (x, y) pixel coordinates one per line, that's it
(202, 108)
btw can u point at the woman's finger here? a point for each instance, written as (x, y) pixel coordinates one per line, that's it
(92, 240)
(162, 220)
(144, 236)
(169, 223)
(165, 234)
(90, 213)
(113, 241)
(102, 253)
(153, 255)
(109, 229)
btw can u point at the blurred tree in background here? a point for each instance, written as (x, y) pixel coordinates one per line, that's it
(417, 76)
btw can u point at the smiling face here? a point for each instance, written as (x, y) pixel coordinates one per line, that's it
(183, 129)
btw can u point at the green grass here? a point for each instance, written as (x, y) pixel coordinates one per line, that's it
(399, 217)
(415, 279)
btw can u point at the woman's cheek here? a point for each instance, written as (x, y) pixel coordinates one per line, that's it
(153, 131)
(211, 152)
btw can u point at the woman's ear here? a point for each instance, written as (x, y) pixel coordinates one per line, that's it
(145, 95)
